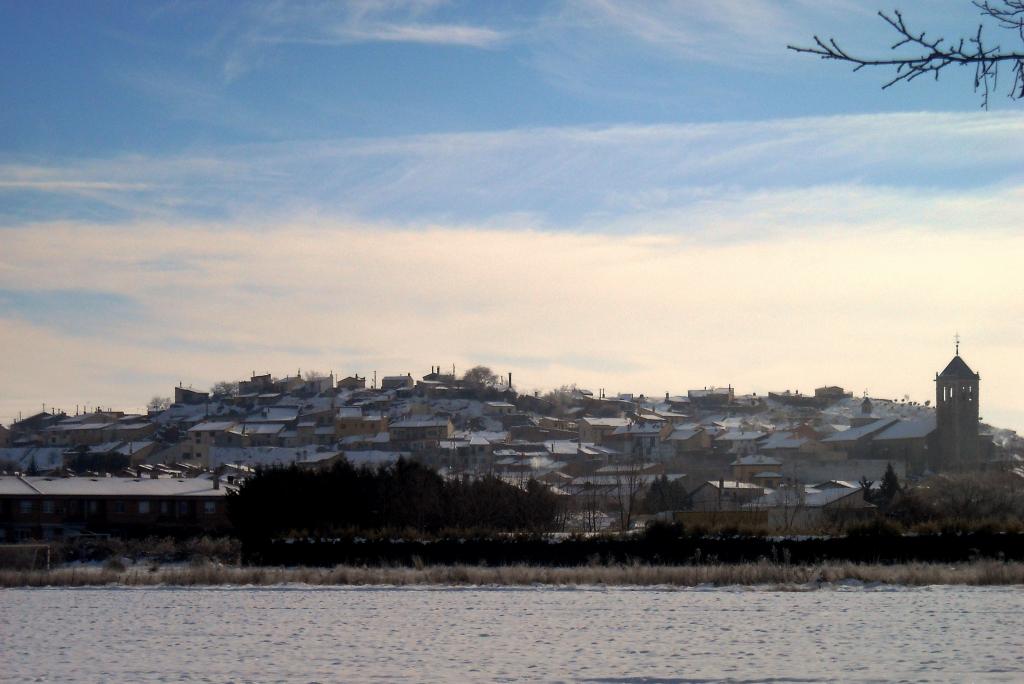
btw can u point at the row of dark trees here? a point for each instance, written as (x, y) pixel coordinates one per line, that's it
(401, 498)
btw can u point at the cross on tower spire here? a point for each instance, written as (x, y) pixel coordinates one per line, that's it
(956, 338)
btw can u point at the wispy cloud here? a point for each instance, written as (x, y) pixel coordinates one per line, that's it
(314, 22)
(678, 47)
(688, 178)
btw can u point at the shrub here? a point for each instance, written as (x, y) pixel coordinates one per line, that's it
(878, 527)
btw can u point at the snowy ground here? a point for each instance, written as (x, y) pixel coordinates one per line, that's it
(546, 634)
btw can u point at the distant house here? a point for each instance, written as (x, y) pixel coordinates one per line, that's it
(257, 384)
(831, 394)
(684, 440)
(397, 382)
(187, 395)
(53, 507)
(352, 420)
(593, 430)
(639, 440)
(799, 506)
(254, 434)
(5, 437)
(421, 434)
(758, 468)
(738, 442)
(910, 441)
(352, 382)
(204, 435)
(856, 442)
(724, 495)
(711, 397)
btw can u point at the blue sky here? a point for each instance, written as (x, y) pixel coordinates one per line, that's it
(195, 190)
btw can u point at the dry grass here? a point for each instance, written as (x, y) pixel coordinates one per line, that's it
(984, 572)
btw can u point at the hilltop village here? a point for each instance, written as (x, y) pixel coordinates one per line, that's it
(708, 450)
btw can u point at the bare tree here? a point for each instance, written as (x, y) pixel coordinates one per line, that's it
(791, 504)
(561, 399)
(481, 377)
(931, 55)
(629, 481)
(589, 508)
(224, 388)
(159, 404)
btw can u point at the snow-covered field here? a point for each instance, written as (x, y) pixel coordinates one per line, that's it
(548, 634)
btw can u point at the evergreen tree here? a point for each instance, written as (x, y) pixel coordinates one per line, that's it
(890, 487)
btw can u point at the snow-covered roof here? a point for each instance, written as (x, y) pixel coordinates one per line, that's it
(263, 456)
(274, 414)
(420, 423)
(835, 484)
(109, 486)
(783, 440)
(131, 448)
(645, 428)
(809, 498)
(377, 438)
(213, 426)
(350, 412)
(257, 429)
(684, 433)
(856, 433)
(73, 426)
(756, 460)
(740, 436)
(731, 484)
(45, 458)
(604, 422)
(917, 428)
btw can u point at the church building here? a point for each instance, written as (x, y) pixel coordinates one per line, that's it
(956, 414)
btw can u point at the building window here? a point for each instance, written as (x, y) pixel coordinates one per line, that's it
(183, 507)
(26, 506)
(165, 508)
(93, 506)
(48, 506)
(209, 507)
(143, 507)
(119, 506)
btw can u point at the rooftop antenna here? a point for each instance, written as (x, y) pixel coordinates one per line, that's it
(956, 338)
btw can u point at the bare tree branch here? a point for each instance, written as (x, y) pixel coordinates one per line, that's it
(932, 55)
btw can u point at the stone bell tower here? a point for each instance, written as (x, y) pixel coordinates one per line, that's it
(956, 414)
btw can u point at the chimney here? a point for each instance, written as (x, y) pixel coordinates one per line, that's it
(216, 481)
(510, 380)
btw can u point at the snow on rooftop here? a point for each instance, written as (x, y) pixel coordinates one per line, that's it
(113, 486)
